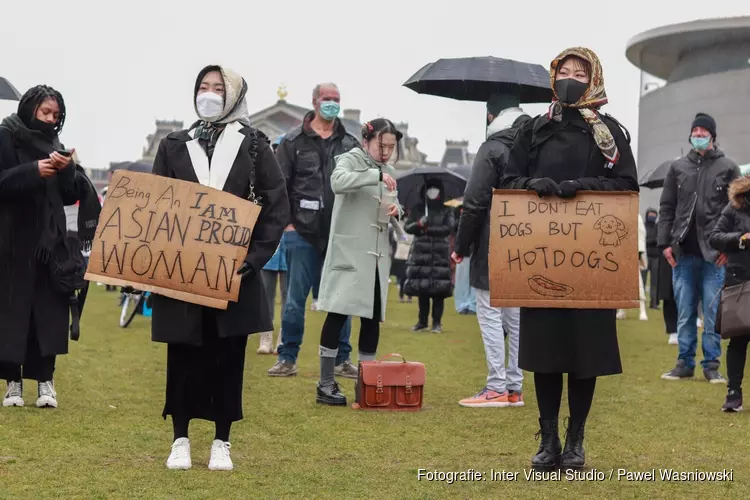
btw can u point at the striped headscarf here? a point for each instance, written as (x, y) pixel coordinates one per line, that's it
(594, 97)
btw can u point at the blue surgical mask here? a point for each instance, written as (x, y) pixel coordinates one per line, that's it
(700, 143)
(329, 109)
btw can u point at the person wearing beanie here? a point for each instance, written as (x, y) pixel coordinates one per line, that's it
(695, 193)
(503, 387)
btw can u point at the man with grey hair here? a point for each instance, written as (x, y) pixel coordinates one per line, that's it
(307, 157)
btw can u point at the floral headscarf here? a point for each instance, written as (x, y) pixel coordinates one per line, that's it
(594, 97)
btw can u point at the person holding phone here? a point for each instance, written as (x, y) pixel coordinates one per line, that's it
(37, 179)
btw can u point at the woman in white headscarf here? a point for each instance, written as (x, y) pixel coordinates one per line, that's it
(206, 347)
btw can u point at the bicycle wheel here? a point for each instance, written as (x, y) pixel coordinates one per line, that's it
(129, 308)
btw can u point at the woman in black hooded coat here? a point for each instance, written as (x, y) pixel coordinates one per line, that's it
(428, 269)
(35, 183)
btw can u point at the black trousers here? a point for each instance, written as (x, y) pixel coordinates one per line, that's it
(438, 305)
(35, 366)
(205, 382)
(369, 333)
(653, 270)
(736, 357)
(670, 315)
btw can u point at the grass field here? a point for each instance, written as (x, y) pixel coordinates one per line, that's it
(107, 439)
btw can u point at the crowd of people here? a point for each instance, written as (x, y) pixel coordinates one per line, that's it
(328, 224)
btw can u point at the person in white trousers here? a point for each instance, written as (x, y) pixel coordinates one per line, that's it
(504, 385)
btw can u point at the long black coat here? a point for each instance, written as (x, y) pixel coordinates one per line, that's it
(582, 342)
(180, 322)
(428, 269)
(25, 290)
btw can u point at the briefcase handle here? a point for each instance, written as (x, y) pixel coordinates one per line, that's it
(392, 355)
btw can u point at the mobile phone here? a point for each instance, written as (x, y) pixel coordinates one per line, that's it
(66, 154)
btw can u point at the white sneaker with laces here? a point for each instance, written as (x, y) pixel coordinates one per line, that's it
(220, 459)
(673, 340)
(47, 395)
(266, 343)
(621, 314)
(179, 459)
(14, 396)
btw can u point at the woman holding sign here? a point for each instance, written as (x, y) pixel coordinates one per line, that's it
(572, 147)
(206, 347)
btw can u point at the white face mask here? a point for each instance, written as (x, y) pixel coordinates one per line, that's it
(433, 193)
(209, 105)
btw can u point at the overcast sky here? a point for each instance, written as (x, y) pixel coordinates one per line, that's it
(121, 65)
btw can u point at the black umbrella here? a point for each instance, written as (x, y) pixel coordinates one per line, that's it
(412, 182)
(133, 166)
(478, 78)
(655, 178)
(7, 91)
(463, 170)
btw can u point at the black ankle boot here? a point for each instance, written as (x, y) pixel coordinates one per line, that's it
(550, 447)
(573, 456)
(330, 395)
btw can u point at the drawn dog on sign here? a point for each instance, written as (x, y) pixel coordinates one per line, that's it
(613, 231)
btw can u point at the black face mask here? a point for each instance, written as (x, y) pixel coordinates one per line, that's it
(651, 218)
(47, 129)
(570, 90)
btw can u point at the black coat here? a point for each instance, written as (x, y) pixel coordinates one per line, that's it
(582, 342)
(695, 190)
(473, 236)
(428, 269)
(25, 290)
(652, 236)
(725, 237)
(180, 322)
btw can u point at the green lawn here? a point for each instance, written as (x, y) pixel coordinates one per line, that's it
(107, 439)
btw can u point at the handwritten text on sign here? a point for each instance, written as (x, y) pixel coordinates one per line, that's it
(176, 238)
(564, 253)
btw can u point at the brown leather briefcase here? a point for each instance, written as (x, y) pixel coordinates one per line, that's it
(391, 385)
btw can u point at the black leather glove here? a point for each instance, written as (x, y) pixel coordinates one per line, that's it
(543, 187)
(568, 189)
(245, 270)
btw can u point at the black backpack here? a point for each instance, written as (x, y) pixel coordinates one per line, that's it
(67, 268)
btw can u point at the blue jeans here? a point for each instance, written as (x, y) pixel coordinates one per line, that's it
(303, 263)
(695, 279)
(465, 296)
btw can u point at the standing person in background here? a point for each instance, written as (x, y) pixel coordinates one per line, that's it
(695, 193)
(571, 148)
(428, 270)
(465, 296)
(307, 158)
(274, 274)
(652, 254)
(642, 267)
(398, 267)
(355, 273)
(503, 387)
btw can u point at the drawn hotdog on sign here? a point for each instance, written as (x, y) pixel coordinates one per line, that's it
(549, 288)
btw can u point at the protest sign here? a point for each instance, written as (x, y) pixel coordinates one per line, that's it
(564, 253)
(175, 238)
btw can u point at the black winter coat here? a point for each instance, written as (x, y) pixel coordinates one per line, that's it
(428, 269)
(473, 237)
(695, 185)
(582, 342)
(25, 289)
(725, 237)
(307, 162)
(180, 322)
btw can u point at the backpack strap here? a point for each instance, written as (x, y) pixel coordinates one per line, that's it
(255, 137)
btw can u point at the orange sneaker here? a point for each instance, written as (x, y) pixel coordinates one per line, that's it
(486, 399)
(515, 398)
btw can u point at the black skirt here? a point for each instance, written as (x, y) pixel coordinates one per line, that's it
(580, 342)
(205, 381)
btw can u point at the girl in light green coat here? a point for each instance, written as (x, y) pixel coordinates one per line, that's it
(355, 272)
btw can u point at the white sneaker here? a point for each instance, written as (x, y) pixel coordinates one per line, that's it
(14, 396)
(314, 305)
(266, 343)
(673, 340)
(179, 459)
(47, 395)
(621, 314)
(644, 316)
(699, 323)
(220, 459)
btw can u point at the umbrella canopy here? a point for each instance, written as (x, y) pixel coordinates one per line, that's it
(133, 166)
(654, 179)
(463, 170)
(478, 78)
(7, 91)
(412, 182)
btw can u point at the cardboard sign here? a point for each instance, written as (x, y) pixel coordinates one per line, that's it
(552, 252)
(174, 238)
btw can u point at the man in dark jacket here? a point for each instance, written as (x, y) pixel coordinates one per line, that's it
(695, 193)
(504, 118)
(307, 157)
(653, 253)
